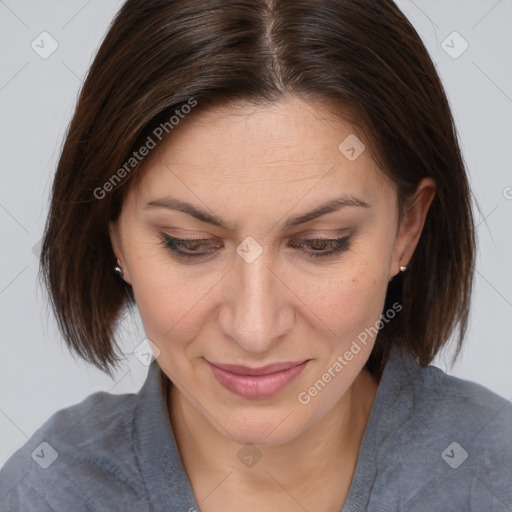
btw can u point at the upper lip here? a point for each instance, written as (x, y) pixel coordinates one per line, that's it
(262, 370)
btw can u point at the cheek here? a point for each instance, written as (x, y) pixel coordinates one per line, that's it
(169, 302)
(169, 310)
(346, 296)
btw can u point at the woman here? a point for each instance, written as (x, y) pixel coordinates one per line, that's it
(278, 188)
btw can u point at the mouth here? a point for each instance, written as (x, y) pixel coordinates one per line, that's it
(259, 382)
(262, 370)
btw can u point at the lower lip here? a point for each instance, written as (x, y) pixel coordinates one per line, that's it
(256, 386)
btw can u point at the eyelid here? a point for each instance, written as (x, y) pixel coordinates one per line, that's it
(301, 236)
(310, 233)
(337, 233)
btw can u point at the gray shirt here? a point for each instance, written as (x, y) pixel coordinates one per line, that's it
(433, 442)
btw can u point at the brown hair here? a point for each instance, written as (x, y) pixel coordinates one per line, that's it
(361, 56)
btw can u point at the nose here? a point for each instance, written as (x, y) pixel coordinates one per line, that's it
(256, 312)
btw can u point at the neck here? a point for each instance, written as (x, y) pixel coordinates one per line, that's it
(323, 456)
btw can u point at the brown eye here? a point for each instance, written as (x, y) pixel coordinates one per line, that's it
(333, 246)
(176, 246)
(190, 248)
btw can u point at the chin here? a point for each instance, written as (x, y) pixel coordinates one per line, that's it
(261, 429)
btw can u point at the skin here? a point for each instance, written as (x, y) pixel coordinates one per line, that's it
(254, 168)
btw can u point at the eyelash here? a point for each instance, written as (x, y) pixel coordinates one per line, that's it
(171, 244)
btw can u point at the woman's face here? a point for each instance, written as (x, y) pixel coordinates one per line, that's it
(258, 288)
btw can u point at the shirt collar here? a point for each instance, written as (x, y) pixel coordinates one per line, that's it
(155, 445)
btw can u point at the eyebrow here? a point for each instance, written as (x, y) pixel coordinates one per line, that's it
(210, 218)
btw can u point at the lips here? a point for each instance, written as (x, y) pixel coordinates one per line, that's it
(261, 382)
(263, 370)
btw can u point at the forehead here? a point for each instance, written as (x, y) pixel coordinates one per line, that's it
(248, 136)
(287, 148)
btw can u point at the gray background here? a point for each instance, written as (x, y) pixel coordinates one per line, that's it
(38, 376)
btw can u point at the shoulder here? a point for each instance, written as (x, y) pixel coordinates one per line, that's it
(451, 436)
(83, 447)
(461, 406)
(448, 403)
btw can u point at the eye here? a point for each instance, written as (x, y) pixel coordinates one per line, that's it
(175, 245)
(187, 249)
(337, 245)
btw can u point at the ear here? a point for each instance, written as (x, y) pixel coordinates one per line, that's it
(115, 240)
(412, 224)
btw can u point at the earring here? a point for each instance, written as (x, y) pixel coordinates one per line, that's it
(118, 269)
(402, 269)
